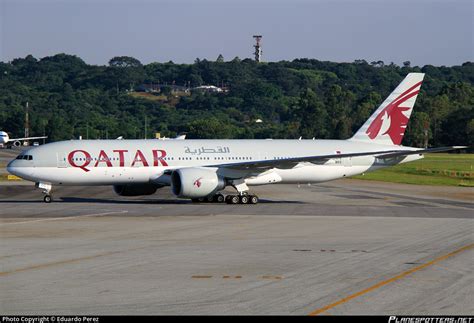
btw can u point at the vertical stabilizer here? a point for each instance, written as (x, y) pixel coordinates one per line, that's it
(388, 123)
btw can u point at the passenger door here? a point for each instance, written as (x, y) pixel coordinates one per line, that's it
(62, 160)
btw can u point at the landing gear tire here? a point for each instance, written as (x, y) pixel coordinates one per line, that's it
(244, 199)
(232, 199)
(253, 199)
(241, 199)
(219, 198)
(48, 199)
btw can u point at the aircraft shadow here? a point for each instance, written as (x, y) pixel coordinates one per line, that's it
(156, 201)
(159, 201)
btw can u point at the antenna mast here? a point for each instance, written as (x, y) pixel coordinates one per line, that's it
(258, 48)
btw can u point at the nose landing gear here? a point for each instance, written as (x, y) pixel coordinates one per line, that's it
(48, 199)
(46, 189)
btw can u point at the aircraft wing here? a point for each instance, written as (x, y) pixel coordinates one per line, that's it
(28, 138)
(285, 163)
(418, 151)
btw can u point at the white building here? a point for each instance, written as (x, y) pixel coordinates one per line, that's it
(208, 88)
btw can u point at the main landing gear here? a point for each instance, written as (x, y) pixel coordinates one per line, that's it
(217, 198)
(243, 196)
(241, 199)
(46, 188)
(229, 199)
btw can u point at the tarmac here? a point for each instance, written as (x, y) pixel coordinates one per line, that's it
(342, 247)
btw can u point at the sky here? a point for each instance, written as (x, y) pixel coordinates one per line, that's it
(436, 32)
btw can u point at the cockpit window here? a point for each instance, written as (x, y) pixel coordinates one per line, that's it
(25, 157)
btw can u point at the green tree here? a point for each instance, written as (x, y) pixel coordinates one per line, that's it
(418, 132)
(125, 72)
(124, 61)
(304, 97)
(313, 117)
(209, 129)
(457, 127)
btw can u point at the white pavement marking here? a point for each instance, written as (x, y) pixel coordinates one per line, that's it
(65, 217)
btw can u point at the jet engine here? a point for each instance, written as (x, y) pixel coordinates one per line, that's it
(16, 143)
(196, 182)
(135, 189)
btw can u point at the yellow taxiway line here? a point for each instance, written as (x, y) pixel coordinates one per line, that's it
(390, 280)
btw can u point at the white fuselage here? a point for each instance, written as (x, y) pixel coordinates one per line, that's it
(4, 138)
(114, 162)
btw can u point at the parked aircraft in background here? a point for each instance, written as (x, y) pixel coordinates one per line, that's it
(5, 140)
(201, 169)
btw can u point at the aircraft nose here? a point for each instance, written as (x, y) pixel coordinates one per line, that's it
(11, 167)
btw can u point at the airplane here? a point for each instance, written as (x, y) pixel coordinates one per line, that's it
(178, 137)
(200, 169)
(5, 139)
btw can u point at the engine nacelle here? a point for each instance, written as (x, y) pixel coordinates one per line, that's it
(16, 143)
(135, 189)
(196, 182)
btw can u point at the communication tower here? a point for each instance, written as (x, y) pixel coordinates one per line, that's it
(27, 122)
(258, 48)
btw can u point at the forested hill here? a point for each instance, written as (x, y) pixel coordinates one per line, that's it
(304, 97)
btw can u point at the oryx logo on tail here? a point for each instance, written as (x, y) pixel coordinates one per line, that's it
(388, 123)
(392, 120)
